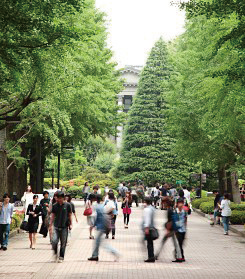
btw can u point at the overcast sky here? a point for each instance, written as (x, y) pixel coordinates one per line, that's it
(135, 25)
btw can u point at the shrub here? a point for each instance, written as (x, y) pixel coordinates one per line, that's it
(197, 202)
(239, 207)
(238, 217)
(104, 162)
(16, 221)
(207, 207)
(75, 191)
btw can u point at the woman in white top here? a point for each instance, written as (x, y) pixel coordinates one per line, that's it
(27, 199)
(226, 212)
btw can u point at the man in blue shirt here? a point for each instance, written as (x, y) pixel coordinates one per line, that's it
(6, 214)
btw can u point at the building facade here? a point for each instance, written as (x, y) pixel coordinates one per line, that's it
(130, 75)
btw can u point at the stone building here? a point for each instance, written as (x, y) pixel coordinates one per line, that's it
(130, 75)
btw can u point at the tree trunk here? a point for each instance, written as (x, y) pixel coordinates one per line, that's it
(3, 173)
(229, 185)
(222, 180)
(235, 188)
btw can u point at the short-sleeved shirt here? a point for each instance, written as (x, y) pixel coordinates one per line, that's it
(61, 212)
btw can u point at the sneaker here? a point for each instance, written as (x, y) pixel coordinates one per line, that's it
(177, 261)
(226, 233)
(113, 237)
(150, 260)
(93, 259)
(60, 260)
(4, 248)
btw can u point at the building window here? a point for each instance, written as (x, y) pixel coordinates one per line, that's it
(127, 101)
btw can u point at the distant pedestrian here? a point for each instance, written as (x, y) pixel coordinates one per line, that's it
(27, 199)
(134, 194)
(62, 219)
(6, 214)
(44, 203)
(179, 225)
(86, 189)
(226, 212)
(217, 210)
(126, 207)
(91, 216)
(111, 203)
(156, 195)
(187, 194)
(149, 228)
(34, 211)
(68, 199)
(102, 224)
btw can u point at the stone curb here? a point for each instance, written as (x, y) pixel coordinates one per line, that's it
(199, 212)
(15, 232)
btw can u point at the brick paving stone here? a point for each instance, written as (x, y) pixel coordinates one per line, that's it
(209, 254)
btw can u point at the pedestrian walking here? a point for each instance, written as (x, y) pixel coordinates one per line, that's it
(102, 224)
(226, 212)
(44, 203)
(149, 230)
(61, 217)
(111, 202)
(68, 199)
(51, 227)
(217, 210)
(156, 195)
(90, 213)
(86, 189)
(134, 194)
(126, 207)
(6, 214)
(170, 233)
(27, 199)
(33, 211)
(179, 225)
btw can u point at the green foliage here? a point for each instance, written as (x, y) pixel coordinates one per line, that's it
(238, 207)
(75, 191)
(197, 202)
(207, 207)
(95, 146)
(147, 152)
(16, 221)
(56, 74)
(238, 217)
(104, 162)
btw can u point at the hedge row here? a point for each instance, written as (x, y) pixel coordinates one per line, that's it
(206, 205)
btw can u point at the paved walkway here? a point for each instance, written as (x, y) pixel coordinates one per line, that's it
(209, 254)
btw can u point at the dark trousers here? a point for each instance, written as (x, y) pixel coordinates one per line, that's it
(44, 229)
(126, 218)
(135, 199)
(60, 234)
(113, 226)
(181, 237)
(150, 248)
(4, 234)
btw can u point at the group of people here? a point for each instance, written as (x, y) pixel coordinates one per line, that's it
(101, 213)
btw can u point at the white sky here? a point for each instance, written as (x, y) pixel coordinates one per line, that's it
(135, 25)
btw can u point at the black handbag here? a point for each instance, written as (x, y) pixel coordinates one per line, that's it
(154, 234)
(24, 226)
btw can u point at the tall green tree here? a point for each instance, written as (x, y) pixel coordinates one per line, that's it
(206, 97)
(147, 147)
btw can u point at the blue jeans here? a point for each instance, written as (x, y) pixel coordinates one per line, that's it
(60, 234)
(4, 234)
(226, 220)
(98, 243)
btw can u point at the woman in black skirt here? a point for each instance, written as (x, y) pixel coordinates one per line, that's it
(34, 211)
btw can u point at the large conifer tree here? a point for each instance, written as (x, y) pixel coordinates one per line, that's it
(147, 148)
